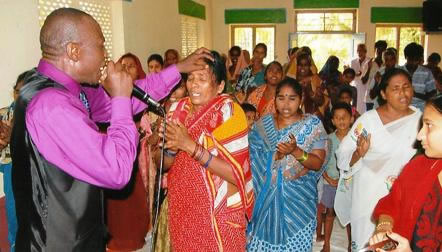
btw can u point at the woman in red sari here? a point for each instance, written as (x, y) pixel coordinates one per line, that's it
(209, 179)
(413, 209)
(127, 209)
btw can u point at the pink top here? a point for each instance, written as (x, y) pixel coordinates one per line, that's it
(66, 136)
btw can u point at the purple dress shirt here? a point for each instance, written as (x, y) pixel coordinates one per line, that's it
(67, 136)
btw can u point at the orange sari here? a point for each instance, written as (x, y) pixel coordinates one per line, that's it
(201, 215)
(255, 98)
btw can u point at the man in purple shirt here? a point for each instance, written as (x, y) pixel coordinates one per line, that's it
(60, 159)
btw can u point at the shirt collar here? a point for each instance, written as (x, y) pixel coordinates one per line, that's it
(55, 74)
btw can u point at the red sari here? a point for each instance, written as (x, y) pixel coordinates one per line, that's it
(408, 196)
(201, 216)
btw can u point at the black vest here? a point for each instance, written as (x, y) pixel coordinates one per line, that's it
(55, 211)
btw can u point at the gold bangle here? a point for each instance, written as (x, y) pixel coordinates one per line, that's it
(304, 157)
(383, 223)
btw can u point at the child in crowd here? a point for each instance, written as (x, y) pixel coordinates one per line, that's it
(346, 78)
(250, 112)
(345, 95)
(342, 119)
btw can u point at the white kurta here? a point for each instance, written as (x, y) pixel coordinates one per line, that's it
(368, 180)
(357, 82)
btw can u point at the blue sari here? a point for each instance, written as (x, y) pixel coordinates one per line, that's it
(284, 217)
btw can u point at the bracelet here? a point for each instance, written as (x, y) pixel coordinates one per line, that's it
(206, 165)
(384, 223)
(170, 153)
(304, 157)
(200, 153)
(194, 151)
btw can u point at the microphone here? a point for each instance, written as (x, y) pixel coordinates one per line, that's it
(144, 97)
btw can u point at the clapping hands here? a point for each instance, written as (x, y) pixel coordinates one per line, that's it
(177, 137)
(284, 149)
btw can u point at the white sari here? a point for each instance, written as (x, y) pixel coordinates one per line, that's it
(368, 180)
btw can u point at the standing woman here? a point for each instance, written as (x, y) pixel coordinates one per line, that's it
(287, 151)
(372, 155)
(155, 63)
(252, 76)
(313, 92)
(235, 63)
(127, 209)
(209, 181)
(263, 97)
(329, 72)
(171, 56)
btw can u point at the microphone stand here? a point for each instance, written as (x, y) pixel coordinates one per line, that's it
(159, 189)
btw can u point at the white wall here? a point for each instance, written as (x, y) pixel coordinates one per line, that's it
(19, 45)
(152, 26)
(221, 31)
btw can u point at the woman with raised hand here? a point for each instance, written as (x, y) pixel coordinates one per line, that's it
(287, 151)
(373, 154)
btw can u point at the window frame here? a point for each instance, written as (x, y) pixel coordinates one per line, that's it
(398, 32)
(253, 26)
(188, 19)
(352, 11)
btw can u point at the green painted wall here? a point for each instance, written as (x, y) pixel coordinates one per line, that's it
(191, 8)
(252, 16)
(317, 4)
(396, 15)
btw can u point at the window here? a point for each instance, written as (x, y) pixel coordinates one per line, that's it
(321, 21)
(99, 9)
(247, 36)
(399, 36)
(327, 33)
(189, 35)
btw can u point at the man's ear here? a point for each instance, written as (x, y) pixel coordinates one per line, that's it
(73, 51)
(221, 87)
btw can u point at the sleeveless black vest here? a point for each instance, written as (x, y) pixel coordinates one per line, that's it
(55, 211)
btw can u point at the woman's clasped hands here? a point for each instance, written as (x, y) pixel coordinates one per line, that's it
(176, 137)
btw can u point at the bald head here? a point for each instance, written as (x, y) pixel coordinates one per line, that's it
(61, 27)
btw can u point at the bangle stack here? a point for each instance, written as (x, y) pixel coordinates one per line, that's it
(383, 226)
(198, 152)
(304, 157)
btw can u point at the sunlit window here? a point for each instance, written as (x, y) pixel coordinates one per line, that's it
(247, 36)
(327, 33)
(399, 36)
(189, 35)
(331, 21)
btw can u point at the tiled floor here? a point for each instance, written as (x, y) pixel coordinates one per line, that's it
(339, 240)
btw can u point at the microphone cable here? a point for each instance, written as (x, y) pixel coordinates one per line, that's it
(159, 188)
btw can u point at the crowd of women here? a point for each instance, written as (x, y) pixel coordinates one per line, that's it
(256, 156)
